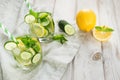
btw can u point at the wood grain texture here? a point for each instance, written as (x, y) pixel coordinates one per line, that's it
(64, 9)
(83, 68)
(85, 65)
(111, 49)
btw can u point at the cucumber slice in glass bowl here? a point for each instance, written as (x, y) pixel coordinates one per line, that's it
(29, 19)
(10, 45)
(36, 58)
(42, 15)
(16, 51)
(25, 55)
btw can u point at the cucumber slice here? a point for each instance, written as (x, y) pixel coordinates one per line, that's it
(66, 27)
(36, 58)
(29, 19)
(25, 55)
(27, 63)
(32, 51)
(23, 62)
(34, 13)
(16, 51)
(42, 15)
(69, 29)
(10, 45)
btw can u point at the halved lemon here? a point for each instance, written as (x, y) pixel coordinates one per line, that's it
(38, 30)
(101, 35)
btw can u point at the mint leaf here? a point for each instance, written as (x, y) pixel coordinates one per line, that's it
(45, 21)
(99, 28)
(35, 14)
(103, 28)
(28, 41)
(36, 48)
(63, 40)
(108, 30)
(60, 38)
(25, 41)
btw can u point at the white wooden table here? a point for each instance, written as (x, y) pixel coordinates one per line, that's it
(95, 60)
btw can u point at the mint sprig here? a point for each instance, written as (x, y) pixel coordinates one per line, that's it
(30, 43)
(104, 29)
(35, 14)
(60, 38)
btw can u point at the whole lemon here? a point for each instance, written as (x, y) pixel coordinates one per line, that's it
(86, 19)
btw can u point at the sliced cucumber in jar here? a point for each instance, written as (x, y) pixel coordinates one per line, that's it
(10, 45)
(25, 55)
(23, 62)
(34, 13)
(31, 51)
(36, 58)
(27, 63)
(29, 18)
(16, 51)
(42, 15)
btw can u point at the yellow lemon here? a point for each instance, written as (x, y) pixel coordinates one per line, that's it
(37, 29)
(86, 20)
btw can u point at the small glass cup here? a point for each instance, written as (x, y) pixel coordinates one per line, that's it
(43, 28)
(28, 53)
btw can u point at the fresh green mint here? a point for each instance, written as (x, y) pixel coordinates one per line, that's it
(103, 28)
(28, 41)
(60, 38)
(35, 14)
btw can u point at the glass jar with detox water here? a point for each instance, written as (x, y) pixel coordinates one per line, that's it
(26, 51)
(41, 25)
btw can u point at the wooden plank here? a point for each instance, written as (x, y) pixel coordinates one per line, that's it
(43, 5)
(88, 63)
(116, 4)
(65, 10)
(109, 15)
